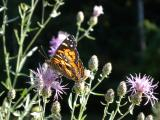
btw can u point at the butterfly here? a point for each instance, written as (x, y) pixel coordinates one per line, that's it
(66, 60)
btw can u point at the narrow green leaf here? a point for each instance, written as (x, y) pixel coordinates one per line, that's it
(27, 101)
(131, 109)
(5, 85)
(17, 37)
(24, 92)
(83, 118)
(1, 93)
(70, 101)
(103, 103)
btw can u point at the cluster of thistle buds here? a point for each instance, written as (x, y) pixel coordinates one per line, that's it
(97, 11)
(141, 116)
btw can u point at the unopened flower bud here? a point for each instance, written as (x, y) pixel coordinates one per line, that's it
(79, 87)
(136, 98)
(107, 68)
(93, 63)
(87, 74)
(36, 109)
(56, 108)
(93, 21)
(80, 17)
(149, 117)
(45, 92)
(109, 96)
(24, 7)
(11, 94)
(141, 116)
(122, 89)
(36, 112)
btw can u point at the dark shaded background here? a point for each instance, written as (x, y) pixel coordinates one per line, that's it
(123, 37)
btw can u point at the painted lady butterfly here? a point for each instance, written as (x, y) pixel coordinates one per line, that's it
(66, 60)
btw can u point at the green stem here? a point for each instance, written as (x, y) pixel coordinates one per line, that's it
(105, 111)
(77, 33)
(44, 107)
(36, 35)
(117, 108)
(85, 100)
(23, 35)
(96, 85)
(74, 106)
(130, 108)
(22, 96)
(85, 33)
(9, 111)
(28, 108)
(55, 8)
(43, 11)
(6, 54)
(39, 104)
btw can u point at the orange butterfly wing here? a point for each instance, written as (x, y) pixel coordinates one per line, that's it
(67, 62)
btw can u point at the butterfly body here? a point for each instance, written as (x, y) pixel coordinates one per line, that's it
(66, 60)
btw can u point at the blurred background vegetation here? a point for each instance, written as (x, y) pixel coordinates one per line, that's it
(127, 35)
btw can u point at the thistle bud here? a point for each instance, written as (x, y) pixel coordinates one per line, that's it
(45, 92)
(141, 116)
(11, 94)
(136, 98)
(93, 21)
(56, 108)
(122, 89)
(36, 112)
(79, 87)
(80, 17)
(87, 74)
(93, 63)
(107, 68)
(36, 108)
(109, 96)
(149, 117)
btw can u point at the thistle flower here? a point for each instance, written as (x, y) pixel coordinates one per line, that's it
(48, 79)
(144, 85)
(97, 10)
(56, 42)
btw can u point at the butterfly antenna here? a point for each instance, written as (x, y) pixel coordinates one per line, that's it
(43, 53)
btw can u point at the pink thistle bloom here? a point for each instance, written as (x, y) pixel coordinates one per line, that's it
(56, 42)
(143, 84)
(97, 10)
(47, 78)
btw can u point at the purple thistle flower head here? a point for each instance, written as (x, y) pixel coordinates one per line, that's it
(143, 84)
(56, 42)
(48, 79)
(97, 10)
